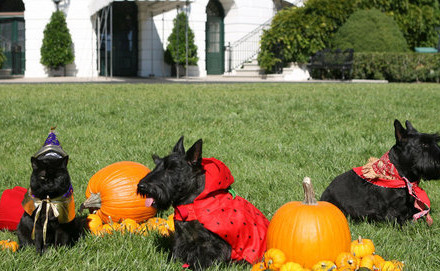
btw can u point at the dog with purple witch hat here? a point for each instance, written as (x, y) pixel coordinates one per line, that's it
(49, 217)
(388, 188)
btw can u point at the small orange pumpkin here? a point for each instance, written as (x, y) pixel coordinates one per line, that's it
(309, 231)
(8, 244)
(291, 266)
(112, 191)
(95, 223)
(170, 222)
(362, 247)
(367, 262)
(143, 229)
(129, 225)
(347, 260)
(274, 258)
(107, 228)
(324, 266)
(387, 266)
(378, 260)
(155, 223)
(260, 266)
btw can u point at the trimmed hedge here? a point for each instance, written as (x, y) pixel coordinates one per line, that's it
(370, 31)
(397, 67)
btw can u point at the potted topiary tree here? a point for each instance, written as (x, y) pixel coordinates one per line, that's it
(57, 50)
(175, 53)
(4, 73)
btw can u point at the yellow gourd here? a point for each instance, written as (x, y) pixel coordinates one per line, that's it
(362, 247)
(274, 258)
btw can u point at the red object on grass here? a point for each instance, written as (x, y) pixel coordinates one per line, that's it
(10, 207)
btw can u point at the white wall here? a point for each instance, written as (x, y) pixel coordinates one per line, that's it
(37, 15)
(241, 17)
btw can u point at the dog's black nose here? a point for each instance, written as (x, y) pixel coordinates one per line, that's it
(142, 186)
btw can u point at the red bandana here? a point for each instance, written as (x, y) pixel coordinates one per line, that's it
(382, 172)
(234, 219)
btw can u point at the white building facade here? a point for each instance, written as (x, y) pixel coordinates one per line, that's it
(128, 38)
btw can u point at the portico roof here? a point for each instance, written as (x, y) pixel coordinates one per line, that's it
(156, 6)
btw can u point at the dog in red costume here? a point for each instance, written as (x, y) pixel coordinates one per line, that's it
(212, 223)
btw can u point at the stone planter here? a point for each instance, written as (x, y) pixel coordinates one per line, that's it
(58, 72)
(296, 72)
(193, 71)
(5, 73)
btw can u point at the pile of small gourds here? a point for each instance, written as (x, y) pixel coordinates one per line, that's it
(8, 244)
(361, 257)
(163, 226)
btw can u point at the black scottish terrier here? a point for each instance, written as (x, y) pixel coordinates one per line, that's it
(387, 188)
(49, 217)
(211, 223)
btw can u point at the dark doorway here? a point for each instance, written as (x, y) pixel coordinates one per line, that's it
(12, 35)
(215, 53)
(121, 38)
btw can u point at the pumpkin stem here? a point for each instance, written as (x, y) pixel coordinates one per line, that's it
(309, 193)
(360, 239)
(93, 203)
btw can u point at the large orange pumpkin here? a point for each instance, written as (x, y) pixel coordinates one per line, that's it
(111, 192)
(309, 231)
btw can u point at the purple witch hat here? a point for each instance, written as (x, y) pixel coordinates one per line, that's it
(51, 145)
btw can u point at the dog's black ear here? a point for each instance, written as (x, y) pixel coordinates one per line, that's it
(179, 146)
(400, 132)
(34, 163)
(156, 159)
(409, 127)
(194, 154)
(64, 162)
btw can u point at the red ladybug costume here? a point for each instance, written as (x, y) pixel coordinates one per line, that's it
(234, 219)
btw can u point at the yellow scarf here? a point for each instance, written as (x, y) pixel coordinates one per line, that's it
(63, 208)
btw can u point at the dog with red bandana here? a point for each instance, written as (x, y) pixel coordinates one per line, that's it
(212, 223)
(388, 188)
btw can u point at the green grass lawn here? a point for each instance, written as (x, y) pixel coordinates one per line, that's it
(269, 135)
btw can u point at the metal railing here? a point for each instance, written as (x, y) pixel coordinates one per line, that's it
(246, 48)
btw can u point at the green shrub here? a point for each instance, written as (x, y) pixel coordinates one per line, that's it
(176, 48)
(397, 67)
(417, 19)
(370, 31)
(57, 50)
(297, 33)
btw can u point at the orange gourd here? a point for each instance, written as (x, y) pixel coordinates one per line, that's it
(8, 244)
(274, 259)
(378, 260)
(387, 266)
(291, 266)
(260, 266)
(129, 225)
(95, 223)
(324, 266)
(309, 231)
(112, 193)
(347, 260)
(362, 247)
(107, 228)
(367, 262)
